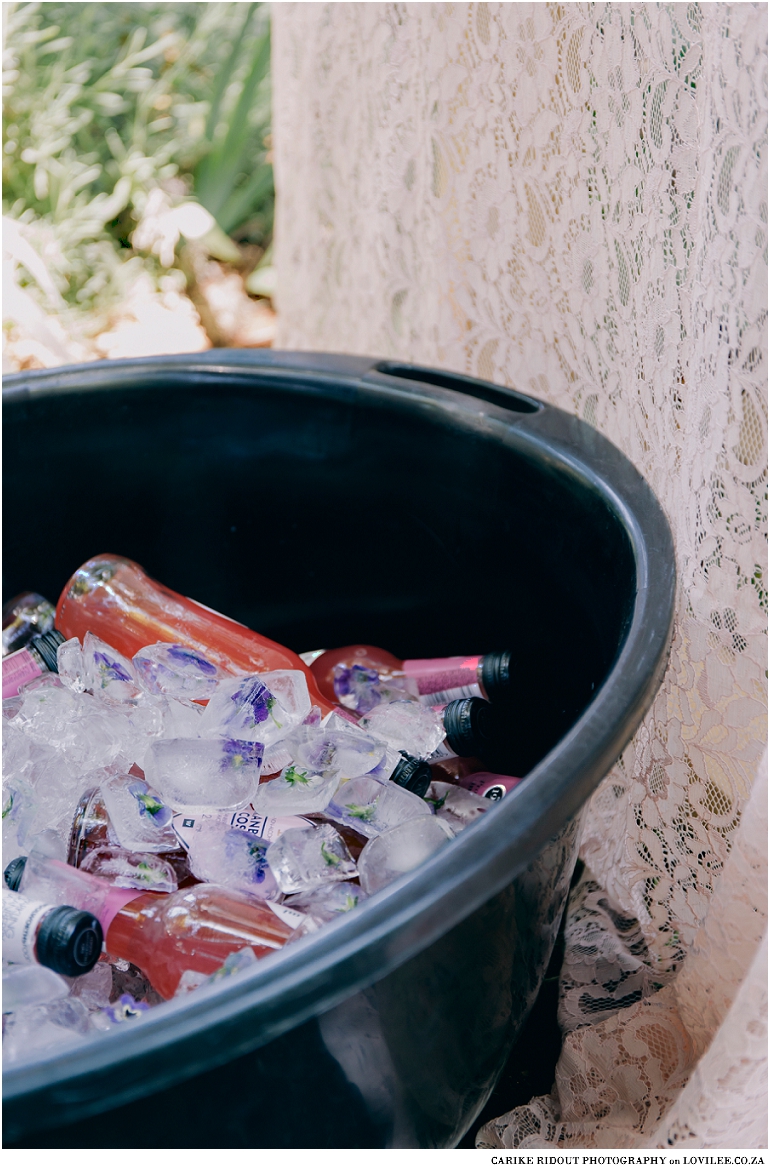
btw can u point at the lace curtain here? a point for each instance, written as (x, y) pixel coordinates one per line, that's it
(570, 199)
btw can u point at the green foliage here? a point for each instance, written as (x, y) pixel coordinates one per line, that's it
(105, 102)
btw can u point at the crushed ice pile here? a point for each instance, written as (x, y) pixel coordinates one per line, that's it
(164, 772)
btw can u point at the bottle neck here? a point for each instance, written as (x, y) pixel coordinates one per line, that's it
(19, 669)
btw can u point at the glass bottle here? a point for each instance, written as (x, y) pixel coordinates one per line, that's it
(64, 939)
(92, 830)
(163, 935)
(116, 600)
(25, 615)
(471, 775)
(358, 673)
(38, 657)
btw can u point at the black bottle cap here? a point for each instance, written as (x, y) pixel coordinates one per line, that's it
(496, 674)
(13, 873)
(466, 722)
(69, 941)
(413, 774)
(46, 647)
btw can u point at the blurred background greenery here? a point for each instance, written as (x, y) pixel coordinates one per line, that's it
(136, 157)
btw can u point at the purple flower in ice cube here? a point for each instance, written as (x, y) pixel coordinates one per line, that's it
(126, 1007)
(186, 657)
(238, 843)
(357, 687)
(110, 670)
(150, 805)
(255, 696)
(237, 754)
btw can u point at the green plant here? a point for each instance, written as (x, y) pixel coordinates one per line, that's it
(104, 103)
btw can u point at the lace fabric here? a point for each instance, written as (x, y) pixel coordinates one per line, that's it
(570, 199)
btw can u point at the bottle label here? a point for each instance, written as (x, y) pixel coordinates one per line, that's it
(18, 669)
(289, 916)
(269, 827)
(491, 786)
(451, 694)
(21, 919)
(438, 676)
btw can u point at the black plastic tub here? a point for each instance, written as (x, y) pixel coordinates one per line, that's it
(323, 500)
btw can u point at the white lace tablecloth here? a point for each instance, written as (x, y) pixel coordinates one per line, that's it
(571, 199)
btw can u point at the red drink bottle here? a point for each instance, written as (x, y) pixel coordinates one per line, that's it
(163, 935)
(438, 680)
(114, 599)
(193, 929)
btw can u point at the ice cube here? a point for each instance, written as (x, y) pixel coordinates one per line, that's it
(50, 712)
(457, 806)
(244, 707)
(398, 851)
(407, 725)
(349, 752)
(17, 747)
(362, 689)
(53, 882)
(290, 688)
(140, 820)
(94, 989)
(107, 673)
(31, 985)
(40, 797)
(388, 764)
(181, 718)
(48, 843)
(357, 687)
(327, 902)
(31, 1031)
(338, 719)
(130, 869)
(371, 806)
(305, 858)
(19, 811)
(235, 859)
(86, 731)
(322, 905)
(239, 962)
(197, 773)
(296, 791)
(176, 670)
(11, 706)
(69, 657)
(277, 758)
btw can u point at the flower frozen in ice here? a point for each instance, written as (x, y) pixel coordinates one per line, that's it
(329, 856)
(187, 657)
(150, 805)
(125, 1008)
(254, 695)
(364, 813)
(110, 670)
(357, 687)
(237, 754)
(294, 776)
